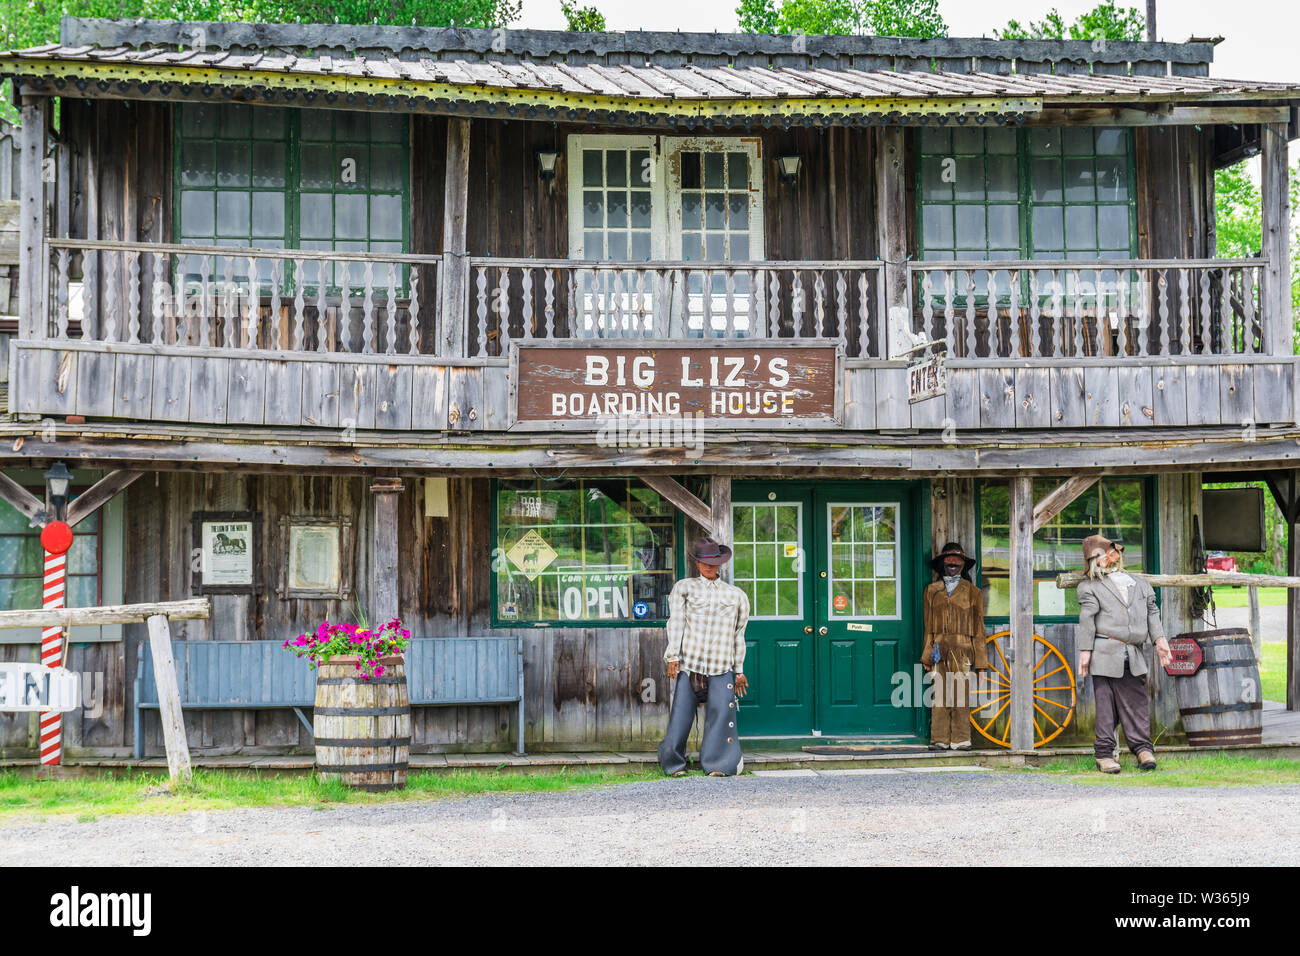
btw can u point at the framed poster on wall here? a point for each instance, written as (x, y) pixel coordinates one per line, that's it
(227, 552)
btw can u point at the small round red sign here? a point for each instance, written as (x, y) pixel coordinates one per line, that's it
(840, 602)
(56, 537)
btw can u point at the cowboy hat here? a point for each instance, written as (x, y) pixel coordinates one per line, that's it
(708, 551)
(1094, 546)
(951, 549)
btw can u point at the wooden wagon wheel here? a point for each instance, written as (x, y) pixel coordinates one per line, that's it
(1054, 693)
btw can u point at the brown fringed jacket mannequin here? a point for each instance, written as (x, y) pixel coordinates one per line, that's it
(954, 627)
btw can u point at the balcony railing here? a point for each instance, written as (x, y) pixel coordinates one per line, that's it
(242, 298)
(1091, 309)
(543, 299)
(358, 303)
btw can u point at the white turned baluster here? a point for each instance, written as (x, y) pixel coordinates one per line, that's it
(526, 295)
(572, 284)
(950, 310)
(796, 303)
(390, 312)
(842, 305)
(503, 309)
(864, 314)
(1013, 312)
(113, 293)
(324, 275)
(368, 308)
(1080, 316)
(277, 276)
(133, 297)
(482, 310)
(61, 294)
(1185, 309)
(970, 313)
(1121, 309)
(1036, 349)
(254, 304)
(994, 327)
(548, 285)
(412, 314)
(1248, 308)
(774, 296)
(729, 297)
(1227, 323)
(1207, 338)
(926, 280)
(646, 324)
(819, 304)
(299, 306)
(229, 321)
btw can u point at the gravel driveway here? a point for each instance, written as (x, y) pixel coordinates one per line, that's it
(793, 817)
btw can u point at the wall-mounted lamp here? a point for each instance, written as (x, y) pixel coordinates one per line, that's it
(57, 481)
(546, 168)
(789, 168)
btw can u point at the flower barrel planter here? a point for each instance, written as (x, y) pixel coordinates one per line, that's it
(1221, 703)
(362, 727)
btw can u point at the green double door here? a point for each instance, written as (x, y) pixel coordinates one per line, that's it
(833, 571)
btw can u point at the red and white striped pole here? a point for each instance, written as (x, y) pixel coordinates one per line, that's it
(56, 537)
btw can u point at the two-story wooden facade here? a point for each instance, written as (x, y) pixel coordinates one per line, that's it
(583, 294)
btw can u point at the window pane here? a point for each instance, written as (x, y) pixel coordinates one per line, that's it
(971, 228)
(738, 212)
(615, 167)
(932, 185)
(935, 140)
(691, 211)
(1079, 185)
(591, 168)
(197, 165)
(232, 214)
(386, 217)
(1046, 181)
(936, 223)
(236, 121)
(316, 171)
(1003, 183)
(582, 551)
(20, 594)
(639, 247)
(712, 170)
(350, 217)
(1004, 227)
(197, 213)
(690, 170)
(1113, 227)
(738, 170)
(968, 141)
(1076, 141)
(641, 172)
(387, 164)
(713, 206)
(387, 127)
(617, 248)
(1080, 227)
(617, 200)
(1045, 142)
(1002, 141)
(593, 208)
(641, 209)
(199, 119)
(268, 216)
(1112, 179)
(233, 164)
(315, 218)
(1049, 228)
(269, 165)
(969, 182)
(83, 556)
(1112, 142)
(269, 124)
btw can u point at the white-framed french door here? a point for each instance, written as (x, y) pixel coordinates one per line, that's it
(636, 199)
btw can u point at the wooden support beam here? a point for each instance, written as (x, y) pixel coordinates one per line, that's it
(1161, 115)
(1022, 614)
(193, 609)
(22, 500)
(1059, 498)
(682, 499)
(452, 338)
(383, 588)
(99, 494)
(1252, 600)
(720, 506)
(1275, 206)
(1071, 579)
(891, 237)
(35, 118)
(169, 699)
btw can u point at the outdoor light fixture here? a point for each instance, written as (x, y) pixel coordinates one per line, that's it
(546, 168)
(57, 480)
(789, 167)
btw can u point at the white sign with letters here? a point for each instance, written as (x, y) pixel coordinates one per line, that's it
(35, 687)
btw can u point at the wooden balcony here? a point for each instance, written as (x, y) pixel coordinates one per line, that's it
(325, 339)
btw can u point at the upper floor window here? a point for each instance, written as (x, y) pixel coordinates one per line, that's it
(1042, 193)
(277, 178)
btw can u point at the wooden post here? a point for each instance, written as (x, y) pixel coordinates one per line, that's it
(1022, 614)
(383, 590)
(720, 506)
(891, 240)
(1252, 595)
(452, 336)
(1292, 615)
(169, 698)
(1275, 207)
(31, 222)
(1151, 21)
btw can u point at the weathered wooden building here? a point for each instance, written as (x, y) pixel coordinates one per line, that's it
(581, 295)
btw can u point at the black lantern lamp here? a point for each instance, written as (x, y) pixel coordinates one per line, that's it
(546, 161)
(57, 481)
(789, 168)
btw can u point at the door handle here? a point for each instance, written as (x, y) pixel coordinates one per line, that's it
(823, 631)
(808, 629)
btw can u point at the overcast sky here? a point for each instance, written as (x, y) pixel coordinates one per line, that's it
(1259, 35)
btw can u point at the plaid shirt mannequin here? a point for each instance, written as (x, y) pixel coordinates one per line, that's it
(706, 626)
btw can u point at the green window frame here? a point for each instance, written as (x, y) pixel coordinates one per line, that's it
(1061, 538)
(1079, 178)
(275, 178)
(615, 520)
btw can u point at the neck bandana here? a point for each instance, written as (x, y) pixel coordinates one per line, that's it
(950, 583)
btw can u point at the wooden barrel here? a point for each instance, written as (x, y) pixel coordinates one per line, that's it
(1221, 704)
(362, 728)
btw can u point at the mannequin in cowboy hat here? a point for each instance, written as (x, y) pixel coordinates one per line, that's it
(706, 660)
(1118, 617)
(954, 645)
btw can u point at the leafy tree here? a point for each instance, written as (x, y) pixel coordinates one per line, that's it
(584, 19)
(1104, 21)
(901, 18)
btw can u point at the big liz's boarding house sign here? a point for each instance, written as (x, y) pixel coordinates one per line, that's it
(583, 384)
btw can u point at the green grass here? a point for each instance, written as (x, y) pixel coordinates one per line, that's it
(1272, 671)
(1177, 770)
(1236, 597)
(89, 797)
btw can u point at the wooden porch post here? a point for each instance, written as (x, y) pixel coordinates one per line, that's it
(31, 218)
(891, 241)
(1285, 486)
(720, 506)
(455, 265)
(383, 588)
(1022, 614)
(1275, 207)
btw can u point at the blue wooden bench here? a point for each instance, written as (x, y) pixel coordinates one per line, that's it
(262, 675)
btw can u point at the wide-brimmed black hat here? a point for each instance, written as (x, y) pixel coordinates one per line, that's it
(709, 551)
(952, 548)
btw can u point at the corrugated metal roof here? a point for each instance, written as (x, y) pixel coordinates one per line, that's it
(650, 82)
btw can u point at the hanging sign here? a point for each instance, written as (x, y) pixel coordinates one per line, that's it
(765, 384)
(531, 554)
(926, 378)
(35, 687)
